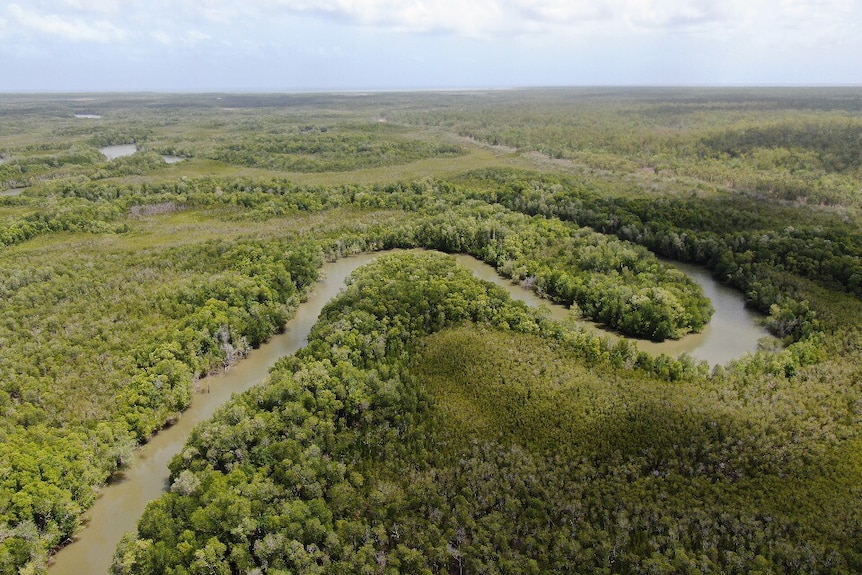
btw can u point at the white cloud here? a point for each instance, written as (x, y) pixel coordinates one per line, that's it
(331, 52)
(106, 19)
(564, 11)
(65, 27)
(195, 36)
(787, 24)
(673, 13)
(494, 18)
(572, 40)
(824, 16)
(420, 16)
(504, 17)
(815, 8)
(89, 6)
(162, 37)
(185, 38)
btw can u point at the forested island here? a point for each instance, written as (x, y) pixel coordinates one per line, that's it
(432, 424)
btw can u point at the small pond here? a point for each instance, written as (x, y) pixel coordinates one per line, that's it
(122, 150)
(114, 152)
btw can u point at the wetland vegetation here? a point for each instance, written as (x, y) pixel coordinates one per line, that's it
(433, 425)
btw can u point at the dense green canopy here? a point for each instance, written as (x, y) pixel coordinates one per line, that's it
(432, 425)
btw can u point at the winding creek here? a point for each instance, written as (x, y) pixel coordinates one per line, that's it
(732, 332)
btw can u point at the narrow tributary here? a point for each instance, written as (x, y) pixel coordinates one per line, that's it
(733, 332)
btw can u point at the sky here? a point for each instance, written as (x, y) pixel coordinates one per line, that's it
(335, 45)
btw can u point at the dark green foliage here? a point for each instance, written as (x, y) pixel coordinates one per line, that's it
(379, 450)
(832, 146)
(62, 215)
(616, 283)
(26, 169)
(798, 145)
(340, 400)
(613, 282)
(312, 149)
(481, 449)
(756, 252)
(134, 165)
(76, 396)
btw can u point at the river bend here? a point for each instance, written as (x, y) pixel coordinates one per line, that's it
(732, 332)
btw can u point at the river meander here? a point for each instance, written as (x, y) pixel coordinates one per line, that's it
(732, 332)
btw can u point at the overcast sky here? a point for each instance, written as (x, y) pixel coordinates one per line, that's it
(291, 45)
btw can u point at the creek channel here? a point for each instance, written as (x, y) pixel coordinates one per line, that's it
(122, 502)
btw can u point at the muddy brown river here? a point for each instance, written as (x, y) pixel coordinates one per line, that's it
(732, 332)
